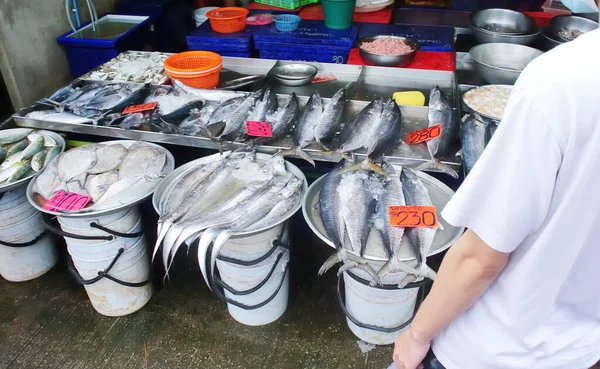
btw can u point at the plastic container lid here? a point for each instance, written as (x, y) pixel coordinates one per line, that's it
(259, 19)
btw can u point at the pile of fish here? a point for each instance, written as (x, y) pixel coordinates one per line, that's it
(24, 152)
(475, 135)
(133, 66)
(111, 174)
(353, 203)
(225, 195)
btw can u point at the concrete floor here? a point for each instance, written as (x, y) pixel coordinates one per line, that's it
(49, 323)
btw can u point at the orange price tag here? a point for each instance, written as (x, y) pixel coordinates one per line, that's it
(67, 201)
(259, 129)
(424, 135)
(140, 107)
(413, 216)
(325, 77)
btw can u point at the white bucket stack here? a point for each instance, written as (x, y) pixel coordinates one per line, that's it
(262, 288)
(21, 223)
(93, 256)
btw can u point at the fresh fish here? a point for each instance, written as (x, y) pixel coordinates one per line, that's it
(235, 125)
(265, 108)
(221, 114)
(440, 112)
(220, 95)
(357, 205)
(15, 148)
(127, 121)
(473, 140)
(60, 95)
(110, 157)
(7, 173)
(37, 162)
(23, 167)
(2, 154)
(357, 132)
(97, 185)
(62, 117)
(331, 118)
(33, 148)
(277, 213)
(77, 184)
(126, 190)
(490, 129)
(47, 181)
(52, 153)
(12, 160)
(112, 101)
(76, 161)
(48, 141)
(143, 160)
(310, 116)
(282, 121)
(420, 239)
(9, 136)
(178, 115)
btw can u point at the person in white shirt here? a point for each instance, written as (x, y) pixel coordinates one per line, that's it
(520, 289)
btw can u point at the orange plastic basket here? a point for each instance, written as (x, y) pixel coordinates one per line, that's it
(227, 20)
(199, 69)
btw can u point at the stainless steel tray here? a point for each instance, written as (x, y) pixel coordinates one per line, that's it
(439, 193)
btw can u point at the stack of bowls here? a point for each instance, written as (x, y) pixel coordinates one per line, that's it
(565, 28)
(502, 64)
(296, 74)
(503, 26)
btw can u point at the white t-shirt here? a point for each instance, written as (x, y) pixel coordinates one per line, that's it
(535, 193)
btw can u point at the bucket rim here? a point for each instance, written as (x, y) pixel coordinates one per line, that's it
(169, 166)
(23, 182)
(175, 174)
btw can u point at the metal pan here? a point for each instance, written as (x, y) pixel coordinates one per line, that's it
(440, 195)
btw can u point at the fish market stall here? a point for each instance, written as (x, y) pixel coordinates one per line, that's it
(362, 86)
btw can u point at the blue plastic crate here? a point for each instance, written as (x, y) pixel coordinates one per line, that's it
(248, 54)
(85, 55)
(309, 32)
(220, 47)
(204, 33)
(281, 46)
(431, 38)
(304, 57)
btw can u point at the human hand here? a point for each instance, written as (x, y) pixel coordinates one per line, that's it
(409, 352)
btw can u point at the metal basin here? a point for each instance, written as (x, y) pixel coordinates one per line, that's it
(503, 22)
(389, 60)
(549, 41)
(570, 22)
(439, 193)
(298, 71)
(501, 64)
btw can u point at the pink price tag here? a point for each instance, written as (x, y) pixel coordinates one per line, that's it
(67, 201)
(259, 129)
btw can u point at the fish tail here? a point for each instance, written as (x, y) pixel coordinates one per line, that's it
(330, 262)
(298, 152)
(220, 241)
(163, 227)
(427, 272)
(205, 241)
(385, 269)
(438, 165)
(347, 266)
(367, 164)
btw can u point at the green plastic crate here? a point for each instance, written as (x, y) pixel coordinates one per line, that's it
(287, 4)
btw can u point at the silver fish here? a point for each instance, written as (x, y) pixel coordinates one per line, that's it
(97, 185)
(37, 162)
(264, 107)
(219, 95)
(282, 121)
(146, 160)
(2, 154)
(235, 125)
(473, 140)
(12, 160)
(420, 239)
(23, 167)
(17, 147)
(109, 158)
(331, 118)
(33, 148)
(48, 141)
(47, 181)
(77, 184)
(76, 161)
(441, 112)
(53, 116)
(305, 130)
(6, 173)
(52, 153)
(126, 190)
(9, 136)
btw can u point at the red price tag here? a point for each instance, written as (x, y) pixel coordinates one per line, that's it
(424, 135)
(140, 108)
(259, 129)
(67, 201)
(325, 77)
(413, 216)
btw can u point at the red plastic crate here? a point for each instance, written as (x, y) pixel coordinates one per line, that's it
(315, 12)
(429, 60)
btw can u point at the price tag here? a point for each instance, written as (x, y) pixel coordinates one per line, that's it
(424, 135)
(325, 77)
(138, 108)
(259, 129)
(413, 216)
(67, 201)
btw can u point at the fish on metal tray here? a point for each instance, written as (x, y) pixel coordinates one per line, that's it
(304, 132)
(208, 95)
(37, 162)
(22, 168)
(97, 184)
(109, 158)
(282, 121)
(48, 141)
(77, 184)
(33, 148)
(143, 161)
(127, 190)
(441, 112)
(47, 181)
(331, 118)
(17, 147)
(235, 125)
(53, 116)
(75, 161)
(2, 154)
(473, 136)
(51, 155)
(265, 108)
(9, 136)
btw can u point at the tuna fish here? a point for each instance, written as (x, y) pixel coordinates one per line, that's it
(9, 136)
(331, 118)
(473, 140)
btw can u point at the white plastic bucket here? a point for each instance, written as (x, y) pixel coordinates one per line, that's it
(122, 221)
(113, 299)
(20, 223)
(377, 307)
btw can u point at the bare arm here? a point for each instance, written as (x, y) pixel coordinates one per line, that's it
(468, 269)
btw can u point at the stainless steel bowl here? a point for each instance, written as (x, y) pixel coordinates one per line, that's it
(485, 37)
(549, 41)
(503, 22)
(502, 64)
(570, 22)
(294, 82)
(389, 60)
(296, 71)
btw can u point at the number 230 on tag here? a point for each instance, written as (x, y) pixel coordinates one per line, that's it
(413, 216)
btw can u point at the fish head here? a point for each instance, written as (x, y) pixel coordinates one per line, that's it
(339, 95)
(276, 164)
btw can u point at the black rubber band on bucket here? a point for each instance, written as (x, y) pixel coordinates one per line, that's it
(103, 273)
(25, 244)
(275, 244)
(47, 219)
(342, 304)
(218, 281)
